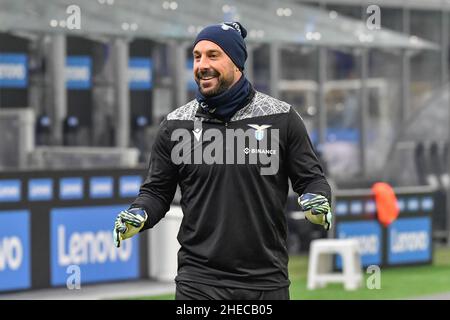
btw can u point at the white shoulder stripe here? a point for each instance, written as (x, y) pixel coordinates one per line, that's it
(262, 105)
(186, 112)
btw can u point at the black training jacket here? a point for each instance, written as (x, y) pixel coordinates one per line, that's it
(233, 178)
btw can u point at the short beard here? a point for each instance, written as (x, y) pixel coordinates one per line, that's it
(223, 85)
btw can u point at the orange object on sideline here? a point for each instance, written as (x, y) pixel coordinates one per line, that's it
(386, 202)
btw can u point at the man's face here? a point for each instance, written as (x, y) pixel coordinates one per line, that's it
(214, 71)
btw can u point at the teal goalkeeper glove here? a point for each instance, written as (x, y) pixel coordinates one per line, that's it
(128, 223)
(317, 209)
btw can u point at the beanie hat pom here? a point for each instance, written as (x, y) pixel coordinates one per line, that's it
(238, 27)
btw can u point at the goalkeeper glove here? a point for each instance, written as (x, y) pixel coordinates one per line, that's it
(128, 223)
(317, 209)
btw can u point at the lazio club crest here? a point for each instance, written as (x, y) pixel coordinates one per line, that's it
(259, 130)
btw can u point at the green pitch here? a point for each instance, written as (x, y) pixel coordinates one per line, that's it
(396, 283)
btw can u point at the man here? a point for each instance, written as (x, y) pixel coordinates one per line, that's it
(231, 150)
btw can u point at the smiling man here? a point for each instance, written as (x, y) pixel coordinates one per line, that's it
(231, 151)
(213, 70)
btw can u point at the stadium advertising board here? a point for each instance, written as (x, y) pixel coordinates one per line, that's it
(369, 236)
(13, 70)
(81, 236)
(140, 73)
(15, 250)
(409, 240)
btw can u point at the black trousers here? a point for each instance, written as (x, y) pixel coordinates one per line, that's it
(199, 291)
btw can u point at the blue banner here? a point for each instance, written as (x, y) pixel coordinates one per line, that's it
(341, 208)
(10, 190)
(129, 186)
(356, 207)
(78, 72)
(401, 204)
(15, 250)
(101, 187)
(40, 189)
(337, 134)
(409, 240)
(368, 235)
(371, 207)
(13, 70)
(71, 188)
(82, 236)
(191, 84)
(140, 73)
(427, 204)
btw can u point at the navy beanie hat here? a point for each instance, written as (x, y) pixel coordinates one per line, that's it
(230, 37)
